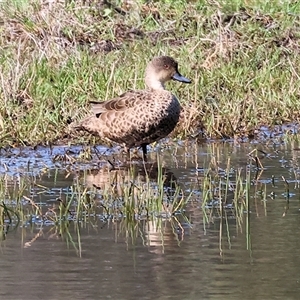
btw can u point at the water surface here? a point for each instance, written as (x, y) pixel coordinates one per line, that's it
(193, 255)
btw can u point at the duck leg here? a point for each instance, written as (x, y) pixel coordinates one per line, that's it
(144, 147)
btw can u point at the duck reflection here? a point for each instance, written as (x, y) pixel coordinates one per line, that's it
(115, 178)
(145, 198)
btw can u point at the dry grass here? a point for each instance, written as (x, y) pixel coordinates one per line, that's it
(58, 55)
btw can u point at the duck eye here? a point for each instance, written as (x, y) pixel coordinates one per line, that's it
(166, 67)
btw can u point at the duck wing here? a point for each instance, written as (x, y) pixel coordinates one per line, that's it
(121, 103)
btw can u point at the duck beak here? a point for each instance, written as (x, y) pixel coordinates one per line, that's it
(180, 78)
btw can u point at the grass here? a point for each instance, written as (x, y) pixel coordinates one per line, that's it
(242, 57)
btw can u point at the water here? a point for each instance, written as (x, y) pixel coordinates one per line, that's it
(167, 258)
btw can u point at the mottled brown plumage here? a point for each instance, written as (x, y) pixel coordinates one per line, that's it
(138, 118)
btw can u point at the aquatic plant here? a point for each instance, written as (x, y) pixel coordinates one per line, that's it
(217, 189)
(127, 195)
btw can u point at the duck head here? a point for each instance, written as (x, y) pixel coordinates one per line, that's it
(160, 70)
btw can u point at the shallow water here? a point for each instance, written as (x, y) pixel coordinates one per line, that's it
(189, 256)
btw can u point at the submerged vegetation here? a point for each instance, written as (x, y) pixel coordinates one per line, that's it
(129, 198)
(242, 56)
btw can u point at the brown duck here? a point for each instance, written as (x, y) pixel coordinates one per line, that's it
(139, 118)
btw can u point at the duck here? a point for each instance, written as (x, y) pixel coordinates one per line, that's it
(138, 118)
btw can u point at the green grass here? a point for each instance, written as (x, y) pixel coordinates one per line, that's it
(242, 57)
